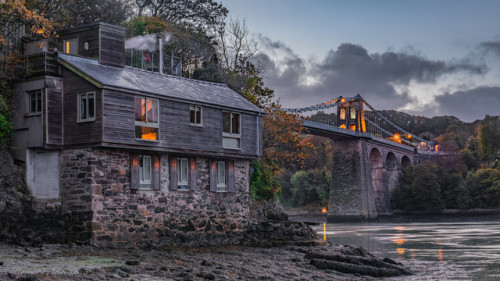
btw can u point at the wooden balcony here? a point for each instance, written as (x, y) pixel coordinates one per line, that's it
(41, 64)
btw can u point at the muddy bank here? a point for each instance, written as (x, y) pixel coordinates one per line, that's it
(60, 262)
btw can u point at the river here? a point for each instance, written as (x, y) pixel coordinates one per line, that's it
(472, 247)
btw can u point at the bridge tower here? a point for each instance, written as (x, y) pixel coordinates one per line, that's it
(350, 114)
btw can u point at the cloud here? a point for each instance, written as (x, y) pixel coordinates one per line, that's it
(493, 47)
(470, 105)
(384, 79)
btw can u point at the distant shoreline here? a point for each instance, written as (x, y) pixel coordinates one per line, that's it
(313, 217)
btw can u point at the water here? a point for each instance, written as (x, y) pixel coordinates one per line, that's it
(472, 246)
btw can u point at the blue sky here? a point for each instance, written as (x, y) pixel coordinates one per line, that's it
(317, 49)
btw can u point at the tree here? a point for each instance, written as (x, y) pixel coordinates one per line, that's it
(204, 14)
(70, 13)
(419, 188)
(488, 137)
(283, 140)
(17, 22)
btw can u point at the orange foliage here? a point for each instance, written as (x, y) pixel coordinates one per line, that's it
(283, 140)
(14, 17)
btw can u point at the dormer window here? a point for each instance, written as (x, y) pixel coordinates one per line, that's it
(146, 119)
(70, 46)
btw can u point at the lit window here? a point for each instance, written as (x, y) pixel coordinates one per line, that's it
(221, 176)
(195, 115)
(146, 119)
(86, 107)
(35, 102)
(342, 114)
(144, 171)
(182, 173)
(231, 134)
(353, 113)
(70, 46)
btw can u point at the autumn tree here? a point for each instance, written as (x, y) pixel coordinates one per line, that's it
(17, 22)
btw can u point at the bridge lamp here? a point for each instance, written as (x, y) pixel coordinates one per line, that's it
(342, 100)
(409, 136)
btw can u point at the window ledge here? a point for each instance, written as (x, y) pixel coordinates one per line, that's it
(196, 125)
(152, 141)
(230, 148)
(86, 121)
(27, 115)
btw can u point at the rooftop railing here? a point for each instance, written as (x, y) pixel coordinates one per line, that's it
(150, 61)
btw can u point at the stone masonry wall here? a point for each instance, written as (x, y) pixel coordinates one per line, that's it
(76, 170)
(125, 218)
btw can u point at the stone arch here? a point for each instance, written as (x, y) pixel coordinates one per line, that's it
(391, 162)
(405, 162)
(377, 173)
(391, 177)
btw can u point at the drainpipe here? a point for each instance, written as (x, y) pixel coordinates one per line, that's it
(160, 43)
(258, 134)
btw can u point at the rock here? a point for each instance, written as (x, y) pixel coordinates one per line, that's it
(357, 262)
(132, 262)
(27, 278)
(267, 210)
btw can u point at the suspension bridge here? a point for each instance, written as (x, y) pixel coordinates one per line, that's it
(370, 153)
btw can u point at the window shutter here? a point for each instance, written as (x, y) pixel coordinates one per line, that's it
(213, 175)
(230, 176)
(173, 173)
(134, 171)
(192, 173)
(155, 181)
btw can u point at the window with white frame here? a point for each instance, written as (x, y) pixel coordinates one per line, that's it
(144, 171)
(231, 134)
(146, 119)
(195, 115)
(86, 107)
(182, 173)
(35, 104)
(221, 176)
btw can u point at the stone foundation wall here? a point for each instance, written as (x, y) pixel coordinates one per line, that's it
(76, 170)
(95, 184)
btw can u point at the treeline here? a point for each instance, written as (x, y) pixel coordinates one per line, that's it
(471, 181)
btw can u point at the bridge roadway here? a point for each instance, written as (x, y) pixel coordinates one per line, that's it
(334, 132)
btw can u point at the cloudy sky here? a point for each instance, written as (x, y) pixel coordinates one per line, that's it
(426, 57)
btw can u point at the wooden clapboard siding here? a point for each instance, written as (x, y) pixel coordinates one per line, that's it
(54, 117)
(112, 51)
(89, 34)
(80, 132)
(175, 131)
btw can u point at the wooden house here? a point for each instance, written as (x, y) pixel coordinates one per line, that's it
(133, 155)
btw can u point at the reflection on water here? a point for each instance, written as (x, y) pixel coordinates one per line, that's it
(474, 246)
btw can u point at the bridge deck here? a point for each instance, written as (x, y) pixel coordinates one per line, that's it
(335, 132)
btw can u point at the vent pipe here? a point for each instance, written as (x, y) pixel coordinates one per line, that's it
(160, 51)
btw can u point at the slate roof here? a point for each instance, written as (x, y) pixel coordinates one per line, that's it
(160, 84)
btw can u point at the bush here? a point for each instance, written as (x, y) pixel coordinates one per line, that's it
(419, 189)
(263, 186)
(310, 188)
(5, 122)
(484, 186)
